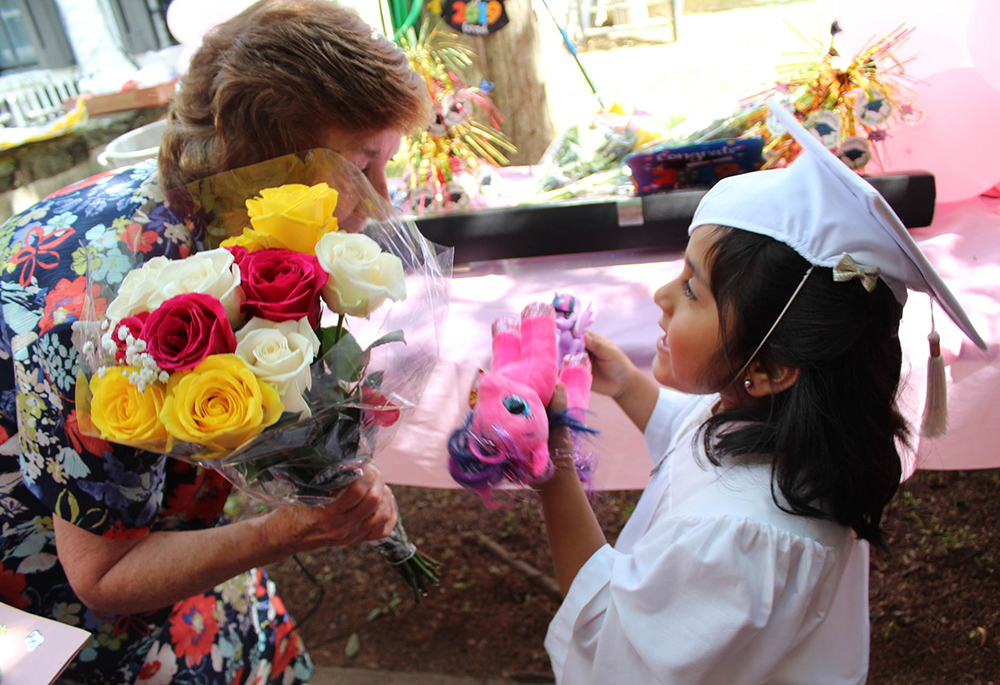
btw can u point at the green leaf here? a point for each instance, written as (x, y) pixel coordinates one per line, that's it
(328, 337)
(373, 614)
(344, 359)
(353, 646)
(394, 336)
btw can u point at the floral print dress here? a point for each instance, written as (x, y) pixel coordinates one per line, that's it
(237, 633)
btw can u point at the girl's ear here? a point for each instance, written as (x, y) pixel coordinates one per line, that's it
(765, 382)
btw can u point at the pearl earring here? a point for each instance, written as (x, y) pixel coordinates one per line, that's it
(747, 383)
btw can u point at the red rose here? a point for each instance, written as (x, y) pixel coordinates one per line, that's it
(378, 411)
(133, 324)
(282, 285)
(187, 328)
(239, 253)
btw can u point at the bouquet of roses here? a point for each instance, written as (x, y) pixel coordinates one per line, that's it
(245, 357)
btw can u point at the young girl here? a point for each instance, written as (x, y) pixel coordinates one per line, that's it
(774, 453)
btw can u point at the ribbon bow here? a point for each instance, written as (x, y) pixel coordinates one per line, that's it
(847, 269)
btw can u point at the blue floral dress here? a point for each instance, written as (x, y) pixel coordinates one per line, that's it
(237, 633)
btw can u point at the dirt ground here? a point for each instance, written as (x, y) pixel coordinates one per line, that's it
(935, 613)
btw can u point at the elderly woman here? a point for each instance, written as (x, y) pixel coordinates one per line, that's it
(127, 544)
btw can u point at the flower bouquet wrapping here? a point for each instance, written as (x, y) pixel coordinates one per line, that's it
(286, 350)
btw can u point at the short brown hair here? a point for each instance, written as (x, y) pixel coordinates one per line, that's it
(271, 80)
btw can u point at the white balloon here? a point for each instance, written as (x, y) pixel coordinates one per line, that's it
(190, 20)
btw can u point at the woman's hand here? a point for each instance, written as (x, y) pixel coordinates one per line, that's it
(158, 569)
(613, 370)
(364, 510)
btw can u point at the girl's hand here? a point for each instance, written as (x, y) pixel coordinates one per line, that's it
(364, 510)
(560, 440)
(612, 369)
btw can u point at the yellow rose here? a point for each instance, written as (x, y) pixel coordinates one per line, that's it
(292, 216)
(249, 242)
(219, 404)
(123, 414)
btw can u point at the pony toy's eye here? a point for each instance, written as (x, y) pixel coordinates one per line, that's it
(516, 405)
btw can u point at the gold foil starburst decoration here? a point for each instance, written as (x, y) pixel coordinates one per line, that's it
(456, 141)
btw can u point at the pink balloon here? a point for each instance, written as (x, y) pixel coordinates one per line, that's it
(983, 40)
(956, 141)
(939, 42)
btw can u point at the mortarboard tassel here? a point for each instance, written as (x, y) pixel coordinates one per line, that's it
(935, 421)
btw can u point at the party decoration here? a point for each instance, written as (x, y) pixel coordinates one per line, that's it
(474, 17)
(456, 144)
(849, 104)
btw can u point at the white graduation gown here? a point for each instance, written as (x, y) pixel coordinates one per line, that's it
(710, 582)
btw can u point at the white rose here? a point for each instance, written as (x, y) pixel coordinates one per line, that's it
(281, 354)
(136, 290)
(212, 272)
(362, 277)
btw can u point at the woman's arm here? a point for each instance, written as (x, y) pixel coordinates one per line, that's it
(159, 569)
(572, 527)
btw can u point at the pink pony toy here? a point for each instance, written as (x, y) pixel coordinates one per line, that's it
(505, 437)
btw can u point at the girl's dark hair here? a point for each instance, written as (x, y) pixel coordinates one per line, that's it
(834, 432)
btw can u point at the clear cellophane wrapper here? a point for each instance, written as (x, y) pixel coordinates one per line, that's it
(369, 372)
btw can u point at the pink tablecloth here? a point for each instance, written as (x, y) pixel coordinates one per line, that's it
(963, 243)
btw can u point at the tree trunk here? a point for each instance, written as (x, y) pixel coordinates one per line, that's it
(510, 58)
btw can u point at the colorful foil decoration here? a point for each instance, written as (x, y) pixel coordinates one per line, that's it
(849, 104)
(457, 143)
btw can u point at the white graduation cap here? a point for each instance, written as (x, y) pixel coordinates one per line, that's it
(833, 218)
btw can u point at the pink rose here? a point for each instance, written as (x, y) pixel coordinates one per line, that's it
(133, 324)
(185, 329)
(282, 285)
